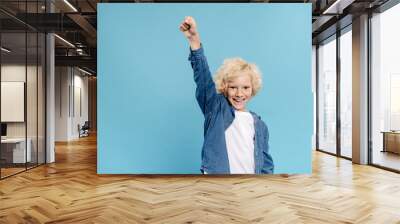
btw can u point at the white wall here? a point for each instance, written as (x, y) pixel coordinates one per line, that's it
(62, 81)
(12, 73)
(33, 127)
(71, 93)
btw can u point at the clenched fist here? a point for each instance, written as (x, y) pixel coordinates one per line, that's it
(189, 29)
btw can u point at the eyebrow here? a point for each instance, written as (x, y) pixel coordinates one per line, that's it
(239, 85)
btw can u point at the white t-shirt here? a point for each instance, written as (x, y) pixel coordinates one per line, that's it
(240, 143)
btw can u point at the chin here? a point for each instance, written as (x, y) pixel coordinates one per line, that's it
(237, 107)
(240, 108)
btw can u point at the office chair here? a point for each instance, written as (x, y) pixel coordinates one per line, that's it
(84, 130)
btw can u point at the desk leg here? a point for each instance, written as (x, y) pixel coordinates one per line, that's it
(384, 142)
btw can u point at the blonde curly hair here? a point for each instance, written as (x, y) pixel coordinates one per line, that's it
(233, 68)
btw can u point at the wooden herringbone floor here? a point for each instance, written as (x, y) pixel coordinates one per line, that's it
(70, 191)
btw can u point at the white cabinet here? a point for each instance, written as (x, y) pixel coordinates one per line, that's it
(18, 149)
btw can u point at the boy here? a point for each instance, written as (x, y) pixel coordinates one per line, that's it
(235, 140)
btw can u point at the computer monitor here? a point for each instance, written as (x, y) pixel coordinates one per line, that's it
(3, 129)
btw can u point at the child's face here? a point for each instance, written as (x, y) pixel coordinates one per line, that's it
(239, 92)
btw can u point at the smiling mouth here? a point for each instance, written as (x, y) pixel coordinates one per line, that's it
(238, 100)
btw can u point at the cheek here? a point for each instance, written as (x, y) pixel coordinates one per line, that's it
(226, 91)
(229, 93)
(249, 92)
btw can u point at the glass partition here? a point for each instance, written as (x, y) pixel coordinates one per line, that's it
(22, 88)
(346, 93)
(14, 153)
(385, 89)
(327, 95)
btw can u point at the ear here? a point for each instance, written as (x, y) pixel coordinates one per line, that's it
(253, 92)
(225, 88)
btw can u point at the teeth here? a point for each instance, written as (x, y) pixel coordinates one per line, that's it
(238, 100)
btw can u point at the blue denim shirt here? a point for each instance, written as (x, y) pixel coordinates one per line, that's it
(219, 115)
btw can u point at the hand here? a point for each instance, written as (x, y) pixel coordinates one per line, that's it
(189, 29)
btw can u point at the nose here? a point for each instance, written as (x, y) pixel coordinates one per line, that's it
(239, 92)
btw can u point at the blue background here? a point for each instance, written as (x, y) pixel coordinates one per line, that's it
(148, 119)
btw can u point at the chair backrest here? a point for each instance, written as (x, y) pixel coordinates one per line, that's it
(86, 125)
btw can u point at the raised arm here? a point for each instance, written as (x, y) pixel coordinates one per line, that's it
(205, 90)
(189, 29)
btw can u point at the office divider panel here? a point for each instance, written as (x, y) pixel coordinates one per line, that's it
(22, 64)
(13, 69)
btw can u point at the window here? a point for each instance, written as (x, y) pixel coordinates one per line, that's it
(346, 93)
(327, 96)
(385, 89)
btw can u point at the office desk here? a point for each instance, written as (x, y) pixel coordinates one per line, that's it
(391, 141)
(15, 148)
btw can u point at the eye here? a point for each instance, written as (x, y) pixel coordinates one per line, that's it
(246, 87)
